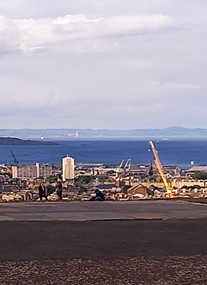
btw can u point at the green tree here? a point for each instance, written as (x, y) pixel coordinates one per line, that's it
(200, 175)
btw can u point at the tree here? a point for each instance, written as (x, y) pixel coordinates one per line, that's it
(125, 188)
(200, 175)
(84, 179)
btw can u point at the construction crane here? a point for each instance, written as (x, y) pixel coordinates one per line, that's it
(119, 169)
(127, 165)
(158, 164)
(14, 158)
(123, 168)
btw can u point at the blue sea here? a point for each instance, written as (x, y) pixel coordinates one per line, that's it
(111, 152)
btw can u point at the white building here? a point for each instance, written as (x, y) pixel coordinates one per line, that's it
(68, 168)
(32, 171)
(24, 171)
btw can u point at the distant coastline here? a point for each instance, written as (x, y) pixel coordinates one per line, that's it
(48, 135)
(17, 141)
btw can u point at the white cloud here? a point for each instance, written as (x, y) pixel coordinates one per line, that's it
(101, 70)
(30, 35)
(24, 95)
(181, 85)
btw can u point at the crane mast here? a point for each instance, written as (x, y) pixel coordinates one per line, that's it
(160, 169)
(127, 166)
(119, 169)
(14, 158)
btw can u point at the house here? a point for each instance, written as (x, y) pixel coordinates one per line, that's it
(139, 189)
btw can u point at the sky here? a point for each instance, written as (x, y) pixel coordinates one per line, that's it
(112, 64)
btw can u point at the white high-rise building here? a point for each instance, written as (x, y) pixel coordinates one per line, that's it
(68, 168)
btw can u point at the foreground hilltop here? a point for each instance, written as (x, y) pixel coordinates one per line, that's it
(17, 141)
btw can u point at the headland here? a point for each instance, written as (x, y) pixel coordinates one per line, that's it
(17, 141)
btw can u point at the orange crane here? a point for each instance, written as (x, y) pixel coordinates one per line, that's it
(158, 164)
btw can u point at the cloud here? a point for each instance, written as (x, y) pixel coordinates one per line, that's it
(181, 85)
(24, 95)
(34, 35)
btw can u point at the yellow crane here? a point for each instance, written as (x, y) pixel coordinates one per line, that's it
(158, 164)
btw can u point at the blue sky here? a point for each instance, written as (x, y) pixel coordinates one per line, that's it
(103, 64)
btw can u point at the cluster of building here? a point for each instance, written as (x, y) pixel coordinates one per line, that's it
(123, 182)
(44, 171)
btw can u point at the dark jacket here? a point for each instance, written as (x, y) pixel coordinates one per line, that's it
(99, 195)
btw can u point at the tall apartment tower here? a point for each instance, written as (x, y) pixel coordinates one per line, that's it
(68, 168)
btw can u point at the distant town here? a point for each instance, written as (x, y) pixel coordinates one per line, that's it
(79, 181)
(65, 134)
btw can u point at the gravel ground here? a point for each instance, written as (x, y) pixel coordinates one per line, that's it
(150, 271)
(169, 252)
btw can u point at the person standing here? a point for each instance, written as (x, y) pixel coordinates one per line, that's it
(59, 190)
(41, 191)
(45, 191)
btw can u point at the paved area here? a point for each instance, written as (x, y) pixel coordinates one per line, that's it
(86, 211)
(115, 243)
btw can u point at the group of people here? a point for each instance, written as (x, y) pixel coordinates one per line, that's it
(43, 190)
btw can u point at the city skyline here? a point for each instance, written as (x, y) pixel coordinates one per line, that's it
(111, 65)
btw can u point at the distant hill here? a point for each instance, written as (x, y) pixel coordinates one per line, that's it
(17, 141)
(44, 135)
